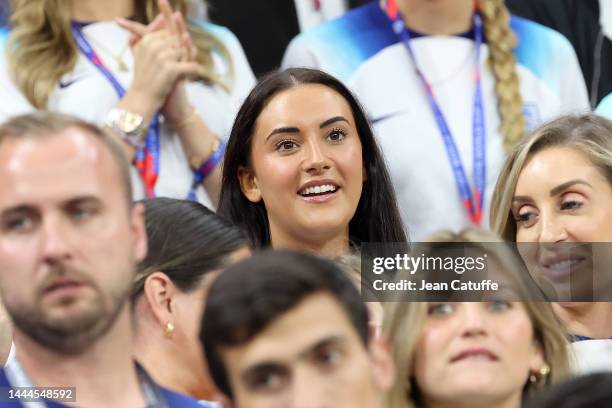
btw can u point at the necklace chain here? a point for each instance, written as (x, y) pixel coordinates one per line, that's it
(121, 64)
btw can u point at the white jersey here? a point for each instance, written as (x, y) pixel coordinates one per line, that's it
(88, 94)
(605, 107)
(593, 355)
(362, 50)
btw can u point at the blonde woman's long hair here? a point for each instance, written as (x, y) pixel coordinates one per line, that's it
(41, 48)
(589, 134)
(404, 322)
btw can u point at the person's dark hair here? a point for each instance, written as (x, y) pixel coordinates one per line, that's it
(377, 217)
(586, 391)
(185, 240)
(252, 294)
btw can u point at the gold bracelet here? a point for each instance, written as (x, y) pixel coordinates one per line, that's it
(188, 120)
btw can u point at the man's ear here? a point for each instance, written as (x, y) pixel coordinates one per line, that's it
(159, 291)
(383, 367)
(248, 184)
(139, 231)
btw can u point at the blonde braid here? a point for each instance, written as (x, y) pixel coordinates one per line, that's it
(501, 41)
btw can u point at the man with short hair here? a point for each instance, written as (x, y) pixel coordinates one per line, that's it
(70, 239)
(285, 329)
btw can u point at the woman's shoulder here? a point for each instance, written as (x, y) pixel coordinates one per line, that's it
(537, 42)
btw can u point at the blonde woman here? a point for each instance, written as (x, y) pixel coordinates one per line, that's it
(445, 134)
(556, 188)
(167, 85)
(474, 354)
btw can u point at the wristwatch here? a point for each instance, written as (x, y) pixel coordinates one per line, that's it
(129, 125)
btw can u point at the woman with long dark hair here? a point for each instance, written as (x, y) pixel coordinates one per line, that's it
(303, 170)
(188, 246)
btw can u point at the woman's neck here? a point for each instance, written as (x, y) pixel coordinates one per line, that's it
(97, 10)
(437, 17)
(165, 359)
(590, 319)
(330, 245)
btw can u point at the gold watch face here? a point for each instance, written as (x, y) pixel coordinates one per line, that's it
(130, 122)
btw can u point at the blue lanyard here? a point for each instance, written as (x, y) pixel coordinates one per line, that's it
(473, 203)
(147, 158)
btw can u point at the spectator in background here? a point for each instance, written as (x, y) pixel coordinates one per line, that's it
(133, 77)
(286, 329)
(587, 24)
(445, 112)
(188, 246)
(555, 190)
(70, 239)
(265, 28)
(475, 354)
(303, 170)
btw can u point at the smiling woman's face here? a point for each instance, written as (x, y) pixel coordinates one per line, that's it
(561, 200)
(561, 196)
(306, 165)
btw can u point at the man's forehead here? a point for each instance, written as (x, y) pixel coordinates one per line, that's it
(68, 142)
(72, 162)
(317, 319)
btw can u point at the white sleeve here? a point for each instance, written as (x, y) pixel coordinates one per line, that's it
(298, 55)
(13, 102)
(574, 95)
(605, 107)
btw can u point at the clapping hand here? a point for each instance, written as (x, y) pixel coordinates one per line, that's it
(164, 56)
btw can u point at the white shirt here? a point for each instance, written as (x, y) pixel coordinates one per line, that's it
(361, 50)
(592, 356)
(90, 96)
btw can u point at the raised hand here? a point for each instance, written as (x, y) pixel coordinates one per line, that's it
(171, 99)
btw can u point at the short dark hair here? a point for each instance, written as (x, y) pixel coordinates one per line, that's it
(185, 240)
(377, 218)
(250, 295)
(592, 390)
(45, 123)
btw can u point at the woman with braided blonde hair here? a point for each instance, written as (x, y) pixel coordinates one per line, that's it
(450, 86)
(167, 84)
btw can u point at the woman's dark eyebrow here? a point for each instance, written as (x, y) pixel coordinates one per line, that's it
(287, 129)
(291, 129)
(567, 184)
(332, 120)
